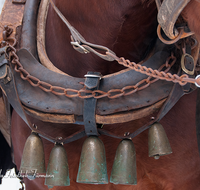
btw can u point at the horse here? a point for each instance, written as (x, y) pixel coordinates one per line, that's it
(128, 28)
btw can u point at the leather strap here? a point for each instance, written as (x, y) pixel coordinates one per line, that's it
(198, 118)
(92, 83)
(176, 93)
(19, 1)
(7, 84)
(3, 62)
(187, 65)
(168, 14)
(62, 105)
(158, 4)
(79, 43)
(30, 13)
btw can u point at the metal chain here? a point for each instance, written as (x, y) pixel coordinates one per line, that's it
(154, 75)
(83, 93)
(182, 80)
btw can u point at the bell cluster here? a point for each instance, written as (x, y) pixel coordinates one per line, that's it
(92, 166)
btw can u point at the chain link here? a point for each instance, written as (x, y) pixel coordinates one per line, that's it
(163, 75)
(154, 75)
(83, 93)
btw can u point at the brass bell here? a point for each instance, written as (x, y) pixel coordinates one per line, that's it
(124, 167)
(57, 170)
(33, 161)
(92, 166)
(158, 142)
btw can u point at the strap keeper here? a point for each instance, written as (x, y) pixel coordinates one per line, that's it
(91, 83)
(92, 80)
(4, 71)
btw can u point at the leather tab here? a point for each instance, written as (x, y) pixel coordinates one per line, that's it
(92, 79)
(92, 83)
(188, 66)
(19, 1)
(198, 118)
(3, 64)
(189, 60)
(168, 14)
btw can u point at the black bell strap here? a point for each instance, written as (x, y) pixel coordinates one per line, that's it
(91, 83)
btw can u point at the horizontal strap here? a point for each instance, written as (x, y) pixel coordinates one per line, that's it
(63, 105)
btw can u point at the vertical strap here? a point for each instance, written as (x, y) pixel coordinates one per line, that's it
(8, 86)
(198, 118)
(91, 83)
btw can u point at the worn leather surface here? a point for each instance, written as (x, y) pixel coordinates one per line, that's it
(198, 118)
(168, 14)
(35, 98)
(28, 39)
(11, 15)
(89, 119)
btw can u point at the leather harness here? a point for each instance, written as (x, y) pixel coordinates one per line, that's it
(24, 97)
(75, 105)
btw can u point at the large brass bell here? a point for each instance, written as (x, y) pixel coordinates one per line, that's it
(33, 161)
(57, 169)
(92, 166)
(124, 167)
(158, 142)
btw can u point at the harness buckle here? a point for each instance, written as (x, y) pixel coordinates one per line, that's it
(77, 46)
(93, 76)
(190, 60)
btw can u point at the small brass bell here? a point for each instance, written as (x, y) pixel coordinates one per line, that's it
(158, 142)
(33, 161)
(92, 166)
(57, 170)
(124, 167)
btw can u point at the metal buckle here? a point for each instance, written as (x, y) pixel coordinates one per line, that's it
(183, 64)
(77, 44)
(90, 81)
(93, 76)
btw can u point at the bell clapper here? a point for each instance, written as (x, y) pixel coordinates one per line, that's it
(156, 157)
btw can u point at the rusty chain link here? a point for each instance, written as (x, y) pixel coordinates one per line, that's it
(154, 75)
(163, 75)
(83, 93)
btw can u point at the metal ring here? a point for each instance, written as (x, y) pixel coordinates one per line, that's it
(169, 41)
(196, 80)
(80, 46)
